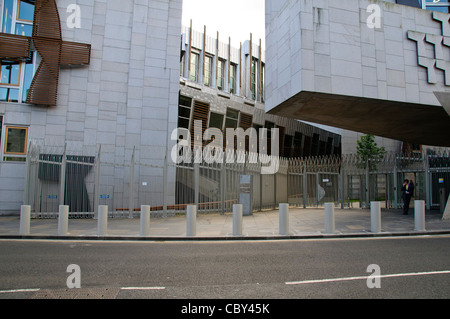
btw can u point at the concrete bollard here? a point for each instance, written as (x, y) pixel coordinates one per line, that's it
(63, 220)
(419, 215)
(145, 220)
(375, 217)
(329, 218)
(191, 215)
(237, 219)
(102, 220)
(25, 218)
(284, 219)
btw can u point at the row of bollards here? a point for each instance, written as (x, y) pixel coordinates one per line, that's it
(375, 217)
(191, 219)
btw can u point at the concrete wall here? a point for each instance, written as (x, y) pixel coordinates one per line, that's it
(126, 97)
(326, 46)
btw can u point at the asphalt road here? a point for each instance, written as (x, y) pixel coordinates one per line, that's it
(412, 267)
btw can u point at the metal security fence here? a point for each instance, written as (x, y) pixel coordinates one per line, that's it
(84, 178)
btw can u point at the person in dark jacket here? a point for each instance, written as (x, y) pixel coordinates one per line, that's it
(408, 192)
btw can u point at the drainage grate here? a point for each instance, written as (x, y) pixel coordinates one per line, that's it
(83, 293)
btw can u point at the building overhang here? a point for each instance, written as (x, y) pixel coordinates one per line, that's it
(409, 122)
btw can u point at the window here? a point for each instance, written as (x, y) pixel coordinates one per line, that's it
(208, 70)
(438, 5)
(434, 5)
(184, 112)
(15, 143)
(216, 120)
(18, 17)
(253, 77)
(16, 75)
(195, 58)
(182, 61)
(221, 74)
(231, 120)
(233, 72)
(16, 78)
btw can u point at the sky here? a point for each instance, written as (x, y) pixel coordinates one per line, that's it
(232, 18)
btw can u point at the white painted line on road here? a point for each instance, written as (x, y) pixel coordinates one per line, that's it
(318, 281)
(18, 291)
(143, 288)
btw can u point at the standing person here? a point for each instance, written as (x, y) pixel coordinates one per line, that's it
(408, 191)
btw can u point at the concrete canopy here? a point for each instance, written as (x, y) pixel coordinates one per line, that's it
(414, 123)
(375, 67)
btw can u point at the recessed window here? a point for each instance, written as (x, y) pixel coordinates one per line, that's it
(184, 112)
(233, 70)
(208, 70)
(10, 72)
(15, 143)
(221, 74)
(195, 57)
(216, 120)
(20, 23)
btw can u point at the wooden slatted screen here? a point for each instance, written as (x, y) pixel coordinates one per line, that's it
(73, 53)
(14, 46)
(200, 113)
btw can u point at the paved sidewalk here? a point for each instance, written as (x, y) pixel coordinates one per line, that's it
(304, 223)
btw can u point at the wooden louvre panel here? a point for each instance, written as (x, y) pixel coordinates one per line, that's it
(73, 53)
(44, 87)
(200, 113)
(14, 46)
(46, 20)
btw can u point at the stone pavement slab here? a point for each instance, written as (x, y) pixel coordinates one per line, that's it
(308, 222)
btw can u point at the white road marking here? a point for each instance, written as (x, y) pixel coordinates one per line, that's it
(18, 290)
(143, 288)
(318, 281)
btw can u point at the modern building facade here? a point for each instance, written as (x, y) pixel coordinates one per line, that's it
(110, 75)
(376, 67)
(83, 75)
(224, 87)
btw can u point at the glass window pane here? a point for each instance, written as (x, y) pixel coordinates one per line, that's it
(185, 101)
(232, 114)
(183, 123)
(10, 72)
(216, 120)
(9, 95)
(184, 112)
(7, 16)
(15, 140)
(25, 30)
(29, 68)
(26, 10)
